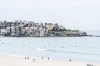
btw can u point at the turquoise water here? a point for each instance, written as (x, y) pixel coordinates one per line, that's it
(58, 48)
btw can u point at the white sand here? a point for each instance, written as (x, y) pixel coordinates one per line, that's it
(20, 61)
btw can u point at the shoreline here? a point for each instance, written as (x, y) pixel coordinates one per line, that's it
(6, 60)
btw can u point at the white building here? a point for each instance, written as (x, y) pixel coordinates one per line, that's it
(3, 31)
(49, 26)
(42, 32)
(8, 29)
(12, 30)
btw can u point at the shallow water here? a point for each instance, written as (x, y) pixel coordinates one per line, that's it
(58, 48)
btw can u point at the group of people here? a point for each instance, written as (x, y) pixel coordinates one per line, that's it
(27, 57)
(35, 59)
(43, 58)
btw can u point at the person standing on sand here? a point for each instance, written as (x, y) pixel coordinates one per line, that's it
(28, 57)
(48, 58)
(25, 58)
(70, 60)
(42, 58)
(33, 60)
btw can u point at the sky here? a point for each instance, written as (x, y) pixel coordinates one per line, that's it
(73, 14)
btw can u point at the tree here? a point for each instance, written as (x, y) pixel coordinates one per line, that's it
(56, 27)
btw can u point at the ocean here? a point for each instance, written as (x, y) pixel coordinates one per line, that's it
(57, 48)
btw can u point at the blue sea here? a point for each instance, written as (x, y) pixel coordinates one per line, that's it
(58, 48)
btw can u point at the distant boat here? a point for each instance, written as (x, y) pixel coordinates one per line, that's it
(41, 49)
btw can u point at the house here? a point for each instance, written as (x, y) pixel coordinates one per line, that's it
(3, 31)
(8, 29)
(31, 23)
(29, 31)
(49, 26)
(17, 30)
(42, 32)
(37, 33)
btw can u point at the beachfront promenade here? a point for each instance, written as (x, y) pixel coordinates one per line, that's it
(21, 61)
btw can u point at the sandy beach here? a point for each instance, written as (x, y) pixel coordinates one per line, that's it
(22, 61)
